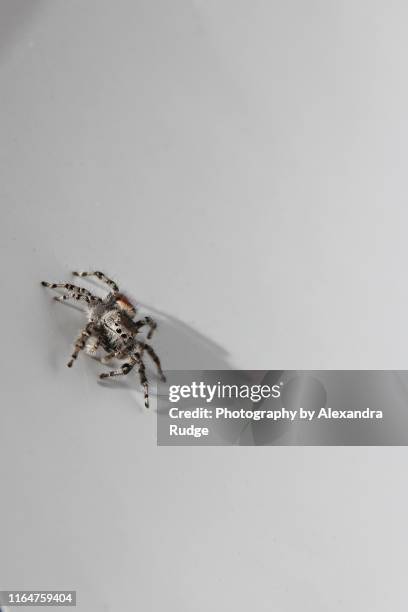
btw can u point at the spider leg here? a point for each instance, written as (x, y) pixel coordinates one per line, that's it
(101, 277)
(153, 355)
(73, 292)
(126, 368)
(146, 321)
(143, 379)
(80, 343)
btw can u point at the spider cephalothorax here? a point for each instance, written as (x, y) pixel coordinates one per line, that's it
(111, 326)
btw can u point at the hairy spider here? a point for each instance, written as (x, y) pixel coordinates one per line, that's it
(112, 327)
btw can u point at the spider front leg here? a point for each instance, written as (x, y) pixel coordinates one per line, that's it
(80, 343)
(128, 367)
(146, 347)
(101, 277)
(73, 292)
(146, 321)
(143, 381)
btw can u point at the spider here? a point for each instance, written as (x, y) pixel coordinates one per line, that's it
(112, 327)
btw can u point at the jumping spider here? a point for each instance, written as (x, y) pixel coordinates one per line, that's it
(111, 326)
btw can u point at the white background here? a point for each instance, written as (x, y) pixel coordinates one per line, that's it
(240, 169)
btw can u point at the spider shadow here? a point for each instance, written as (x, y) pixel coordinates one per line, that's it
(181, 347)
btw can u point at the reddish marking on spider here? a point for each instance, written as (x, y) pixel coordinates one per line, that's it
(123, 302)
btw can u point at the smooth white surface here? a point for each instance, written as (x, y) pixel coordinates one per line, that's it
(239, 167)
